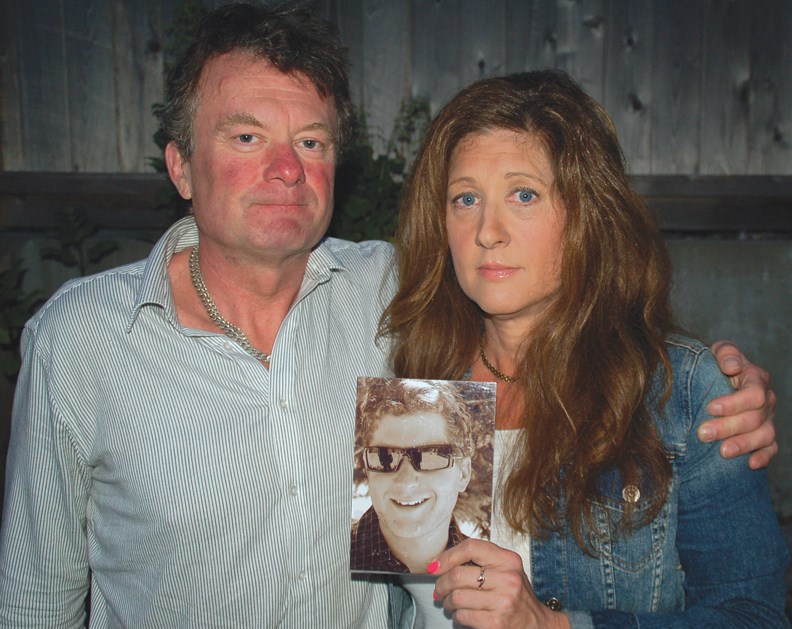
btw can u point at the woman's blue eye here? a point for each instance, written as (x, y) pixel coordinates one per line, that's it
(525, 196)
(467, 199)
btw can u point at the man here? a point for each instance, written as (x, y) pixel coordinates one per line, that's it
(183, 426)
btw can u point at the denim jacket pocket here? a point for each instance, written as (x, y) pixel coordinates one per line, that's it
(632, 558)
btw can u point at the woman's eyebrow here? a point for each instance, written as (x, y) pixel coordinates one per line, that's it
(468, 180)
(526, 175)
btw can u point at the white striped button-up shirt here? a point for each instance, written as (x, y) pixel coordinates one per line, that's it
(172, 474)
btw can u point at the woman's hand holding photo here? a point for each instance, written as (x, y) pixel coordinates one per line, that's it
(484, 586)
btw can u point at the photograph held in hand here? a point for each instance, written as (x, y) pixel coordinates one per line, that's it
(422, 481)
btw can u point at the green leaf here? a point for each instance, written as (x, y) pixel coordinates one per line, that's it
(100, 250)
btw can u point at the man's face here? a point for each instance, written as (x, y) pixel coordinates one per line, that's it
(408, 502)
(261, 173)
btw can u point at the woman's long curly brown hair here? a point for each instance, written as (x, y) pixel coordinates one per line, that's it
(589, 364)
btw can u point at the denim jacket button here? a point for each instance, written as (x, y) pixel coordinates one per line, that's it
(554, 604)
(631, 493)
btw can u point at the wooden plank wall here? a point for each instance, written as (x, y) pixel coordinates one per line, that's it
(79, 78)
(696, 87)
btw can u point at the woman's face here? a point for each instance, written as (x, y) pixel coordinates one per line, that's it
(408, 502)
(505, 226)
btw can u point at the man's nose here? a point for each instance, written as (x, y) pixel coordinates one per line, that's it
(405, 471)
(284, 165)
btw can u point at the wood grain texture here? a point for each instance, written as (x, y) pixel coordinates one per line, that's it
(90, 83)
(137, 47)
(11, 153)
(386, 65)
(482, 46)
(681, 204)
(725, 94)
(348, 18)
(43, 86)
(694, 88)
(770, 118)
(581, 43)
(436, 48)
(628, 92)
(678, 33)
(531, 35)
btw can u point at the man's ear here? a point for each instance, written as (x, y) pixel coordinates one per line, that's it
(466, 471)
(179, 170)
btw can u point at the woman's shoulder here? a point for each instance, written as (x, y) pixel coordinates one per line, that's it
(696, 379)
(679, 343)
(690, 359)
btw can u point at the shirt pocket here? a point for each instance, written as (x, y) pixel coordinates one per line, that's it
(634, 549)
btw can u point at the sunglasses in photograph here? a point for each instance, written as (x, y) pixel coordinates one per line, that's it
(422, 458)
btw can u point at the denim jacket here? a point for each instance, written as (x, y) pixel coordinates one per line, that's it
(714, 555)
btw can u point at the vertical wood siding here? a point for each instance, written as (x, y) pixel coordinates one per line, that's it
(696, 87)
(628, 87)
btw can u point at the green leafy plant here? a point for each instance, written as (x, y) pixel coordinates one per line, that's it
(179, 34)
(75, 249)
(16, 307)
(368, 186)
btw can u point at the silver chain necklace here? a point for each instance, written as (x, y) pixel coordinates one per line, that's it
(229, 329)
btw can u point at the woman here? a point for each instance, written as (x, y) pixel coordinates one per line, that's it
(527, 259)
(415, 442)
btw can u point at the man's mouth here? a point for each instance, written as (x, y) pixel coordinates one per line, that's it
(411, 503)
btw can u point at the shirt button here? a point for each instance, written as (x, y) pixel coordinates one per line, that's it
(229, 346)
(303, 576)
(293, 490)
(554, 604)
(283, 404)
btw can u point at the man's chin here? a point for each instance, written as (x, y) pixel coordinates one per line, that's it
(413, 530)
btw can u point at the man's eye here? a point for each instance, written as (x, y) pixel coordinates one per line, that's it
(310, 144)
(246, 138)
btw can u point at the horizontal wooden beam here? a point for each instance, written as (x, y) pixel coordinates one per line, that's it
(719, 204)
(130, 201)
(681, 204)
(142, 186)
(720, 186)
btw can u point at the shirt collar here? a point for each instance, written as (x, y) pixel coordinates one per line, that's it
(155, 289)
(322, 264)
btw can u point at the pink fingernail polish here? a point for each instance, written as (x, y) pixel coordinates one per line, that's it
(432, 567)
(435, 596)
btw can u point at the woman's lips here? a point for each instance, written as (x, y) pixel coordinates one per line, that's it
(495, 271)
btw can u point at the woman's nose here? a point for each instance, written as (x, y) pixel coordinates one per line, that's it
(491, 230)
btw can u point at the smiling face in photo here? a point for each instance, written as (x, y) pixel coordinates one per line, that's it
(408, 502)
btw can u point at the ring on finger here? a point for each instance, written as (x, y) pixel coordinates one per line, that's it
(480, 578)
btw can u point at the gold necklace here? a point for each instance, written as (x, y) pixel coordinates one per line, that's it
(496, 372)
(228, 328)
